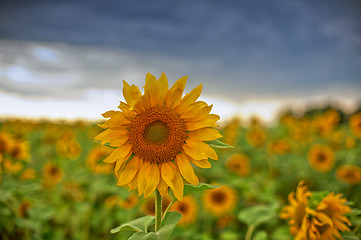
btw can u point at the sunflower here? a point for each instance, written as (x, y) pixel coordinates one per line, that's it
(220, 201)
(350, 174)
(297, 209)
(328, 218)
(321, 157)
(355, 125)
(350, 142)
(158, 135)
(279, 147)
(52, 174)
(238, 163)
(130, 202)
(256, 136)
(5, 143)
(230, 132)
(19, 150)
(28, 174)
(316, 216)
(68, 148)
(95, 156)
(24, 207)
(188, 207)
(11, 166)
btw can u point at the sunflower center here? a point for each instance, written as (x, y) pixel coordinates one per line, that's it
(321, 157)
(218, 197)
(156, 133)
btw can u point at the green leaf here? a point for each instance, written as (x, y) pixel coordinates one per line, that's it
(261, 235)
(257, 215)
(107, 144)
(218, 144)
(144, 236)
(188, 189)
(138, 225)
(163, 234)
(354, 212)
(316, 198)
(171, 218)
(349, 236)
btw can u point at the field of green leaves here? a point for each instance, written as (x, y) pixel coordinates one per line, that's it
(54, 185)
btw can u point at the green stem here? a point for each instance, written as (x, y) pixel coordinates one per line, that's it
(249, 232)
(167, 209)
(158, 210)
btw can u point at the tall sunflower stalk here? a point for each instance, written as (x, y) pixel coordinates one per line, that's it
(156, 137)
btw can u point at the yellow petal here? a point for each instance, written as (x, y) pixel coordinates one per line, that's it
(189, 98)
(118, 153)
(178, 182)
(151, 89)
(192, 149)
(129, 171)
(119, 165)
(207, 122)
(204, 134)
(201, 163)
(152, 175)
(101, 136)
(131, 93)
(162, 87)
(174, 94)
(141, 177)
(186, 169)
(134, 183)
(162, 187)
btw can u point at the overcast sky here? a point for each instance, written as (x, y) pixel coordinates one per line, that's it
(248, 54)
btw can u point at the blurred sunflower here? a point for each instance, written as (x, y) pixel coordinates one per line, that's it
(328, 218)
(148, 206)
(355, 125)
(188, 207)
(12, 166)
(52, 174)
(158, 135)
(68, 148)
(230, 132)
(296, 210)
(5, 143)
(130, 202)
(238, 163)
(256, 136)
(220, 201)
(280, 147)
(24, 207)
(28, 174)
(95, 156)
(350, 174)
(350, 142)
(321, 157)
(19, 150)
(316, 216)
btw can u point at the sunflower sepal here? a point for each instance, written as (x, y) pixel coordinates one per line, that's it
(218, 144)
(138, 225)
(189, 189)
(106, 144)
(316, 198)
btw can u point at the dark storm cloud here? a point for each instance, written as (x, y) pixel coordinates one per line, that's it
(239, 48)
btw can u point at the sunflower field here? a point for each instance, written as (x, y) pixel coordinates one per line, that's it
(299, 178)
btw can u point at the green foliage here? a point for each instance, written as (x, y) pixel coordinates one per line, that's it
(257, 215)
(138, 225)
(189, 189)
(316, 198)
(218, 144)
